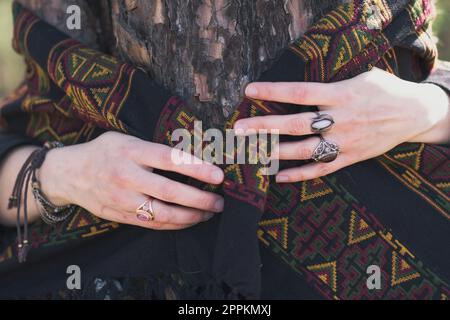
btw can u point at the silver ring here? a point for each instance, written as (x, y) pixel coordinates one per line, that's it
(145, 211)
(322, 122)
(326, 151)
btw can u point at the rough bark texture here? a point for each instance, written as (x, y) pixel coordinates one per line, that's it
(203, 50)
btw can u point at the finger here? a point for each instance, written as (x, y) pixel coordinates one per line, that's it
(301, 150)
(164, 158)
(164, 213)
(172, 214)
(168, 227)
(302, 93)
(171, 191)
(128, 218)
(312, 170)
(294, 124)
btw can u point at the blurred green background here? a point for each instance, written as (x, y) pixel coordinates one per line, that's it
(12, 67)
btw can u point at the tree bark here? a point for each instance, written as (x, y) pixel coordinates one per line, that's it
(206, 51)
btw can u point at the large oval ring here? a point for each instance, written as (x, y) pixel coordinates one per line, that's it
(322, 122)
(145, 211)
(326, 151)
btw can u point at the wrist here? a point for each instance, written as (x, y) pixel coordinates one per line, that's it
(435, 104)
(52, 179)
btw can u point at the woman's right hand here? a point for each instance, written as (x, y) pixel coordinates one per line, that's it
(112, 175)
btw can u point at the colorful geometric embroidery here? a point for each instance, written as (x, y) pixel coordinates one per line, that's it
(326, 272)
(359, 229)
(346, 40)
(401, 270)
(312, 189)
(277, 229)
(93, 81)
(81, 219)
(425, 171)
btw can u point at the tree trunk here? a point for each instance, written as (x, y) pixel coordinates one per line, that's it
(203, 50)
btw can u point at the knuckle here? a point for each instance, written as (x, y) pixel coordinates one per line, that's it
(168, 193)
(195, 218)
(191, 218)
(128, 150)
(156, 225)
(165, 158)
(123, 150)
(207, 201)
(123, 217)
(106, 136)
(102, 176)
(354, 140)
(296, 126)
(116, 198)
(295, 176)
(301, 94)
(104, 211)
(323, 170)
(254, 124)
(305, 152)
(367, 117)
(199, 171)
(166, 215)
(119, 177)
(345, 96)
(352, 122)
(348, 140)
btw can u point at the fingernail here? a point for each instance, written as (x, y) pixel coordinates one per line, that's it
(251, 91)
(217, 176)
(219, 205)
(282, 178)
(207, 216)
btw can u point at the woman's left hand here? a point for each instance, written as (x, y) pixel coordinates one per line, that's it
(373, 113)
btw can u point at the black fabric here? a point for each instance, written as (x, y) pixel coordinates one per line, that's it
(440, 76)
(409, 224)
(10, 141)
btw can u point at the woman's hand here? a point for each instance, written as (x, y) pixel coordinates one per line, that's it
(373, 113)
(112, 175)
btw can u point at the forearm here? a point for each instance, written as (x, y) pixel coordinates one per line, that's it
(438, 102)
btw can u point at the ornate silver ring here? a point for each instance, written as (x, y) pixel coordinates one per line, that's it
(325, 151)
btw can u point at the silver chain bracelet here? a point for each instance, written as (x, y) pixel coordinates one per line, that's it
(50, 213)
